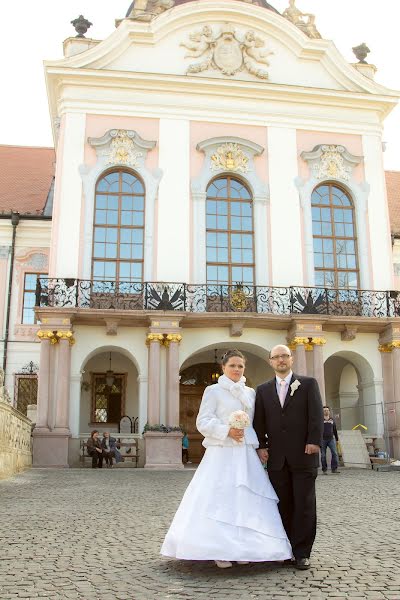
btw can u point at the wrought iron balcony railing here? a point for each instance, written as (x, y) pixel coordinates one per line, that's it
(126, 295)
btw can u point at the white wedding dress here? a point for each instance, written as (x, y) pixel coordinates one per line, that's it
(229, 510)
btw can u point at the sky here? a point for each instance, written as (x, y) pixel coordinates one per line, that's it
(44, 24)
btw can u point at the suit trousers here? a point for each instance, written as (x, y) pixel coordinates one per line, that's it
(295, 489)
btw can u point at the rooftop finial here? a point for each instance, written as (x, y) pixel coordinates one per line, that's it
(81, 26)
(361, 52)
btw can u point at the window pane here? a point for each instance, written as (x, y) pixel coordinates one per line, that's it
(212, 254)
(223, 255)
(236, 256)
(138, 219)
(211, 222)
(326, 229)
(100, 234)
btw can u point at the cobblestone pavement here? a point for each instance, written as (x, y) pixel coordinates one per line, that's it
(96, 535)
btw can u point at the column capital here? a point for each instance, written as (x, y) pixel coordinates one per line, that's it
(385, 348)
(395, 344)
(47, 335)
(318, 341)
(170, 338)
(154, 337)
(66, 335)
(297, 341)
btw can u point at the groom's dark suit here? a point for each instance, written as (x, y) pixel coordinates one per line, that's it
(285, 432)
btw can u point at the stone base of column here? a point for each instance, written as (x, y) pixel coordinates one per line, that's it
(395, 443)
(163, 450)
(50, 448)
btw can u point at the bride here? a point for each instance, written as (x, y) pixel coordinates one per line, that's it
(229, 511)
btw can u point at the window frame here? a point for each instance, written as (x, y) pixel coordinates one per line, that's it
(331, 185)
(119, 226)
(229, 231)
(30, 291)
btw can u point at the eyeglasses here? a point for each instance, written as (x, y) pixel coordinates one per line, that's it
(281, 356)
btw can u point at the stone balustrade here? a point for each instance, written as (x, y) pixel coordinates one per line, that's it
(15, 441)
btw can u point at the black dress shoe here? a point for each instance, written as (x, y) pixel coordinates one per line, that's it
(302, 563)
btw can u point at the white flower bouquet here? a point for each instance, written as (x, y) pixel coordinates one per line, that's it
(239, 420)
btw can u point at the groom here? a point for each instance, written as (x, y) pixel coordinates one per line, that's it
(288, 421)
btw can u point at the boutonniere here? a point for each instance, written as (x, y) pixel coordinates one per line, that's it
(293, 386)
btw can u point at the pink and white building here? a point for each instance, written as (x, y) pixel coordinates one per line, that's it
(218, 183)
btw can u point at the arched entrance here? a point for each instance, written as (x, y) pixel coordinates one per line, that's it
(353, 393)
(109, 390)
(199, 371)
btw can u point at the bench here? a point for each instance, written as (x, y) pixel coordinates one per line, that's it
(127, 450)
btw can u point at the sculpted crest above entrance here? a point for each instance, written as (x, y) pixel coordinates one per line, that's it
(227, 51)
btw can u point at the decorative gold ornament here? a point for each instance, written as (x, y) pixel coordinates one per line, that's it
(385, 348)
(318, 341)
(395, 344)
(154, 337)
(226, 51)
(308, 347)
(122, 150)
(66, 335)
(332, 164)
(299, 341)
(229, 157)
(238, 299)
(172, 338)
(47, 335)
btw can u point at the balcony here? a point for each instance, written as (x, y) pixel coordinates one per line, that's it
(206, 298)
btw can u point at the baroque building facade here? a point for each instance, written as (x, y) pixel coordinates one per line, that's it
(219, 183)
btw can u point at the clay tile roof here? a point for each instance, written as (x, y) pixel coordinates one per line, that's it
(26, 175)
(393, 194)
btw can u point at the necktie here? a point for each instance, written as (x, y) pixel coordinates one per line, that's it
(282, 392)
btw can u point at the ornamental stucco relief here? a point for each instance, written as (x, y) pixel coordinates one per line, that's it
(227, 52)
(329, 161)
(229, 157)
(121, 147)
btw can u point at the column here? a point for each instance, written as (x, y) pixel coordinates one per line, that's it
(379, 228)
(396, 397)
(299, 355)
(261, 241)
(318, 365)
(74, 404)
(287, 255)
(199, 269)
(42, 417)
(173, 341)
(63, 380)
(142, 391)
(173, 239)
(154, 341)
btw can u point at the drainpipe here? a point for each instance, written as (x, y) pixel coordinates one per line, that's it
(14, 223)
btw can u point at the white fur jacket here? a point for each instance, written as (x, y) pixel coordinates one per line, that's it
(217, 405)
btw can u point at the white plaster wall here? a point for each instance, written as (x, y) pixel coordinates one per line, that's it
(286, 239)
(173, 241)
(350, 408)
(68, 199)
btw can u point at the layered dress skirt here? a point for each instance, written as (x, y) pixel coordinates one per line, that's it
(229, 511)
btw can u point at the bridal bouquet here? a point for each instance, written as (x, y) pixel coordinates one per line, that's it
(239, 420)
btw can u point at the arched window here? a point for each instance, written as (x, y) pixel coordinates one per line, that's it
(118, 236)
(335, 241)
(230, 232)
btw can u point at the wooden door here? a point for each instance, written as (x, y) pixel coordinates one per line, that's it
(190, 398)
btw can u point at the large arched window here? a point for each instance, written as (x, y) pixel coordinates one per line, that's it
(230, 233)
(334, 234)
(118, 234)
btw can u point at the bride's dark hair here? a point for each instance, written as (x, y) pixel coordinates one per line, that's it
(229, 354)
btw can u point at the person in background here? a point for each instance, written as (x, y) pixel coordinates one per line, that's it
(329, 440)
(110, 451)
(95, 450)
(185, 448)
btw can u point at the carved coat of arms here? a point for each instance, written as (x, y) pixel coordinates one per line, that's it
(226, 52)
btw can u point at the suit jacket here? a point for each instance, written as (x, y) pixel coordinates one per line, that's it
(286, 431)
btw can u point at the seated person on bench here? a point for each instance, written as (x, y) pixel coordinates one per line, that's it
(110, 450)
(95, 450)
